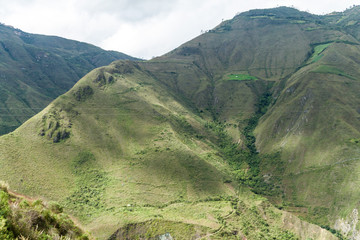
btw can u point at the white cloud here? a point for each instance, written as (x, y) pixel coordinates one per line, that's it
(142, 28)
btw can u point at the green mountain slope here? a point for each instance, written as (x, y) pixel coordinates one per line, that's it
(264, 103)
(119, 149)
(129, 143)
(35, 69)
(311, 63)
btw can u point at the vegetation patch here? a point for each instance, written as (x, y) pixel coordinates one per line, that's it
(87, 197)
(256, 222)
(355, 141)
(246, 162)
(83, 93)
(260, 16)
(332, 70)
(240, 77)
(56, 126)
(312, 28)
(103, 79)
(318, 49)
(298, 21)
(335, 232)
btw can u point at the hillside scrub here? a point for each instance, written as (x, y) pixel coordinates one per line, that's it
(246, 162)
(86, 198)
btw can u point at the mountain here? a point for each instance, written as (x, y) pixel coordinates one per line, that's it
(119, 151)
(308, 137)
(193, 143)
(35, 69)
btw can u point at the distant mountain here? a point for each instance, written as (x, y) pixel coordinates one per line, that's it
(35, 69)
(265, 105)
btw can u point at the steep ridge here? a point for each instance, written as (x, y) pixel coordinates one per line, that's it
(35, 69)
(135, 144)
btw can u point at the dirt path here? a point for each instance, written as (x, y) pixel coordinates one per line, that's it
(18, 195)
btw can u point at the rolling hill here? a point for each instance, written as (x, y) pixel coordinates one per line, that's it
(190, 143)
(35, 69)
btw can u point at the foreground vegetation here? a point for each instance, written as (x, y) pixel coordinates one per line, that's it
(22, 218)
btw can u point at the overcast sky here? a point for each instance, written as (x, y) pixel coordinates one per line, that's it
(141, 28)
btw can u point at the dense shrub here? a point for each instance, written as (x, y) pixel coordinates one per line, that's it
(245, 162)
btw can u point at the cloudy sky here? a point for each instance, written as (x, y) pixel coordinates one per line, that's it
(141, 28)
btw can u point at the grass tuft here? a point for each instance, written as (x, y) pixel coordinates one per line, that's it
(317, 52)
(240, 77)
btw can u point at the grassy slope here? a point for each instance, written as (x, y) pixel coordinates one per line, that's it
(35, 69)
(143, 151)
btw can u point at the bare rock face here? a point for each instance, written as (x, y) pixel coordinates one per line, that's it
(165, 236)
(348, 226)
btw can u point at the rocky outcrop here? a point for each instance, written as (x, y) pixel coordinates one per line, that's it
(348, 226)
